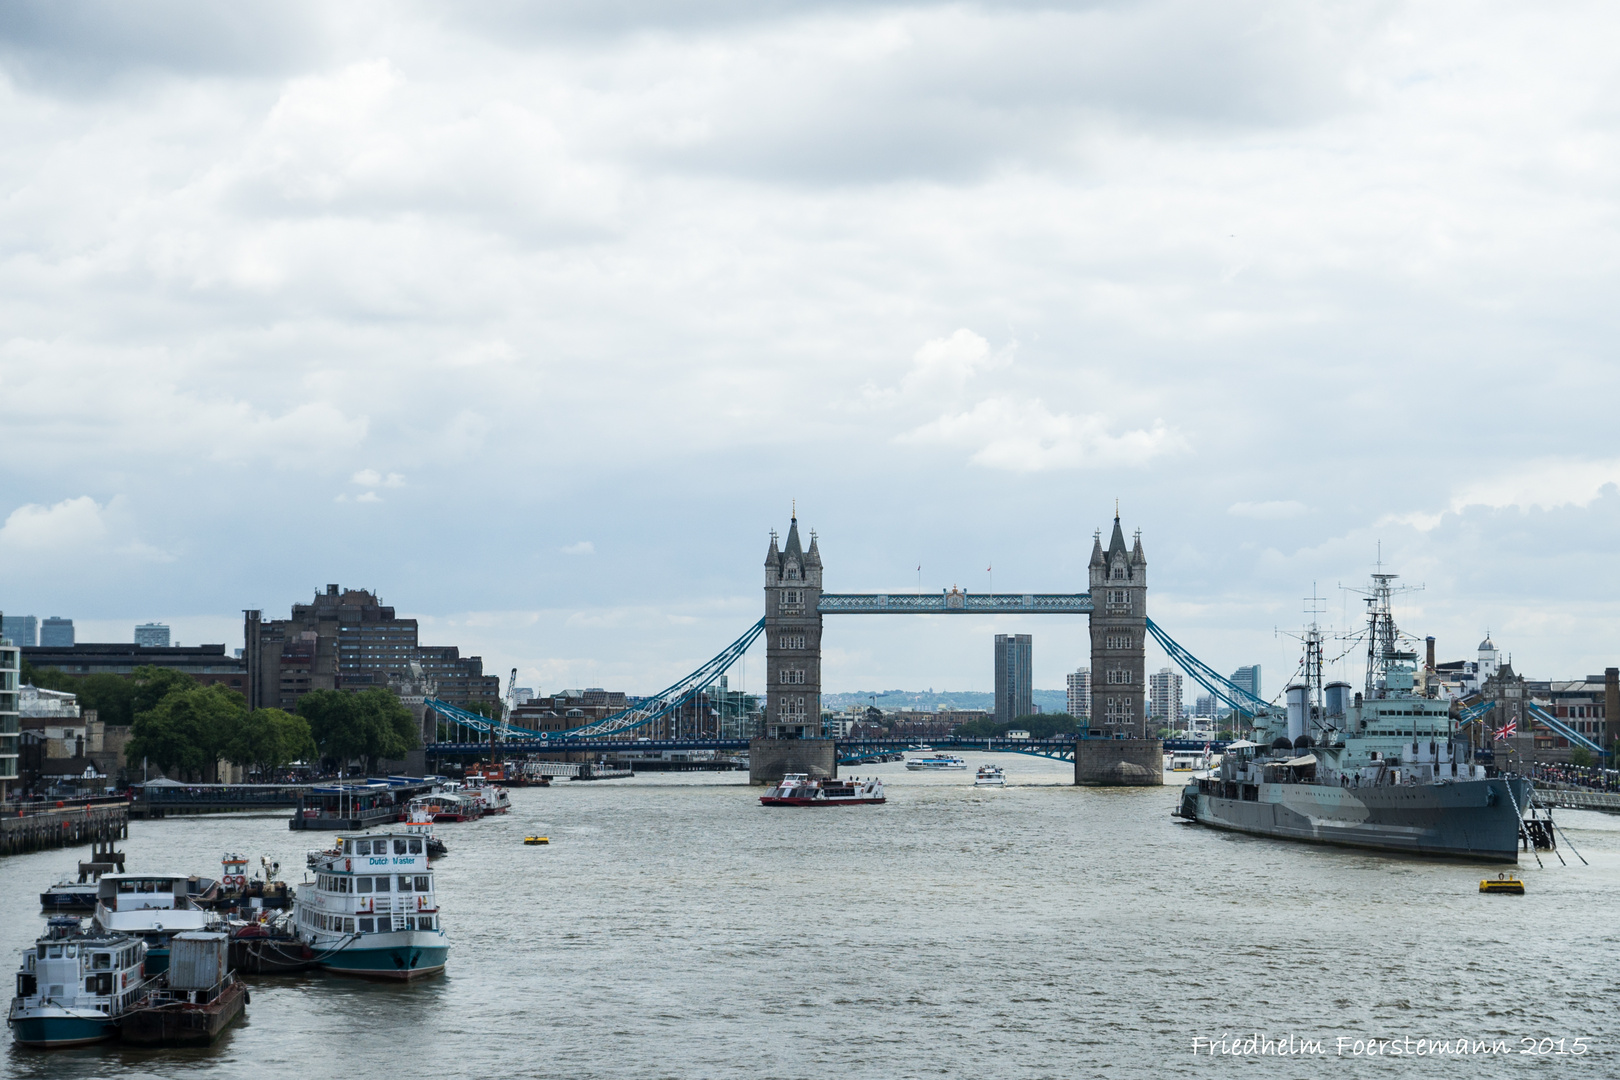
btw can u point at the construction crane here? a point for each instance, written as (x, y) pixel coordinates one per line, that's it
(511, 695)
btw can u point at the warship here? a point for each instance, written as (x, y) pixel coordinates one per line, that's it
(1389, 771)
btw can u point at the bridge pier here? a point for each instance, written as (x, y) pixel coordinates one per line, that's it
(1119, 762)
(770, 759)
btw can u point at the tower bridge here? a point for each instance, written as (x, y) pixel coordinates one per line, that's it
(1115, 749)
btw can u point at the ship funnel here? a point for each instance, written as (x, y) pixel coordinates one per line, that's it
(1337, 694)
(1296, 710)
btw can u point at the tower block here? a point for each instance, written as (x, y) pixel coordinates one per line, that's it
(1122, 750)
(792, 740)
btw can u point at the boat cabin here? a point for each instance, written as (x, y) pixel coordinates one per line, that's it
(76, 971)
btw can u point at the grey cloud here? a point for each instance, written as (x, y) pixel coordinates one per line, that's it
(86, 46)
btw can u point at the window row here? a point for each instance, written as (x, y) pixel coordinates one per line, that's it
(348, 924)
(340, 883)
(1117, 641)
(403, 845)
(794, 676)
(790, 641)
(1119, 676)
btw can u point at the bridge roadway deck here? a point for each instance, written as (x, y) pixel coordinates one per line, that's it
(845, 747)
(954, 603)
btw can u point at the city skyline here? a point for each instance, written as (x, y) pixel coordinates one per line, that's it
(379, 308)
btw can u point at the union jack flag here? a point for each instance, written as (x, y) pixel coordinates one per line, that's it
(1508, 729)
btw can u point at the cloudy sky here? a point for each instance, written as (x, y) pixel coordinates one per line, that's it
(535, 317)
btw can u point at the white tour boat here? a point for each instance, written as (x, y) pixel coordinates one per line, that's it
(371, 909)
(990, 776)
(797, 789)
(493, 797)
(153, 907)
(73, 987)
(936, 762)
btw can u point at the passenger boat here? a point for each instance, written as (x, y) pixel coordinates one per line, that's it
(80, 896)
(797, 789)
(936, 762)
(73, 987)
(418, 822)
(152, 907)
(447, 806)
(371, 909)
(494, 798)
(990, 776)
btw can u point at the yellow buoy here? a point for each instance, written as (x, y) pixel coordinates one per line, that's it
(1502, 883)
(537, 839)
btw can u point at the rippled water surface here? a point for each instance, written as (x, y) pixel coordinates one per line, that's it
(675, 928)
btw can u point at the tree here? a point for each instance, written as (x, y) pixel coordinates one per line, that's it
(1039, 726)
(152, 684)
(111, 696)
(189, 729)
(1580, 757)
(368, 725)
(267, 739)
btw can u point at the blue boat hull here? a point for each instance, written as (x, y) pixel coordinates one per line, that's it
(50, 1031)
(402, 955)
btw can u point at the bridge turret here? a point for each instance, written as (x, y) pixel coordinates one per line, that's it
(793, 639)
(1118, 636)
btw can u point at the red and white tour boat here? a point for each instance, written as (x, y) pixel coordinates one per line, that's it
(797, 789)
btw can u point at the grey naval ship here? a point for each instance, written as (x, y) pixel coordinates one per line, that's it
(1389, 771)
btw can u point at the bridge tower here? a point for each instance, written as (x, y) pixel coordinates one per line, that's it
(1118, 636)
(792, 638)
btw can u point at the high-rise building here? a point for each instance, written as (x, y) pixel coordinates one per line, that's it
(153, 634)
(22, 630)
(10, 739)
(1080, 692)
(346, 639)
(1118, 579)
(1014, 677)
(1164, 696)
(56, 633)
(1248, 678)
(1205, 705)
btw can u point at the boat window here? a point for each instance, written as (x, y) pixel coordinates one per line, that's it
(368, 926)
(345, 884)
(404, 883)
(56, 952)
(382, 884)
(364, 884)
(42, 952)
(416, 847)
(126, 886)
(359, 847)
(399, 847)
(101, 961)
(146, 886)
(348, 926)
(422, 883)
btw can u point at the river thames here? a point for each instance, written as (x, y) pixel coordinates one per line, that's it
(676, 928)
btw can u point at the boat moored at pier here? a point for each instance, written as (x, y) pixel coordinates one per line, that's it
(73, 987)
(371, 909)
(152, 907)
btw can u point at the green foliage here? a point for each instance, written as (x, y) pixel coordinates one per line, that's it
(368, 725)
(267, 739)
(1580, 757)
(112, 696)
(1039, 726)
(188, 730)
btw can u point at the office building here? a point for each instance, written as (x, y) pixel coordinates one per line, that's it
(20, 630)
(56, 633)
(1164, 697)
(347, 639)
(1248, 678)
(205, 663)
(1080, 693)
(1014, 680)
(154, 635)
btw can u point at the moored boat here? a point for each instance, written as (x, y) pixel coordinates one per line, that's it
(152, 907)
(372, 911)
(798, 789)
(419, 822)
(193, 1002)
(74, 987)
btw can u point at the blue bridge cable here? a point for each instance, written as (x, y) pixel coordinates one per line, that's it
(1228, 692)
(644, 712)
(1544, 717)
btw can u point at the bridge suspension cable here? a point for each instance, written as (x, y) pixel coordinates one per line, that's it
(644, 712)
(1228, 692)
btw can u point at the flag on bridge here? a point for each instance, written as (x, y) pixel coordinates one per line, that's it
(1508, 729)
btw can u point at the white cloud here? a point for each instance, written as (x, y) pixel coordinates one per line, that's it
(368, 497)
(367, 478)
(584, 547)
(1025, 436)
(69, 524)
(1543, 484)
(1277, 510)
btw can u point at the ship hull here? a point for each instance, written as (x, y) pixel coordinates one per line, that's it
(1471, 819)
(49, 1027)
(773, 800)
(402, 955)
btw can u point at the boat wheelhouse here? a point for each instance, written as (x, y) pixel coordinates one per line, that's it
(73, 987)
(152, 907)
(371, 909)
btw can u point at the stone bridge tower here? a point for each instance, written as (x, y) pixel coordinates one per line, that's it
(1118, 637)
(792, 638)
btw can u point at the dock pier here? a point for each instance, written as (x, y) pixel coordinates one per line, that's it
(35, 826)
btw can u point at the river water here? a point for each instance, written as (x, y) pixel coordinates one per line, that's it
(676, 928)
